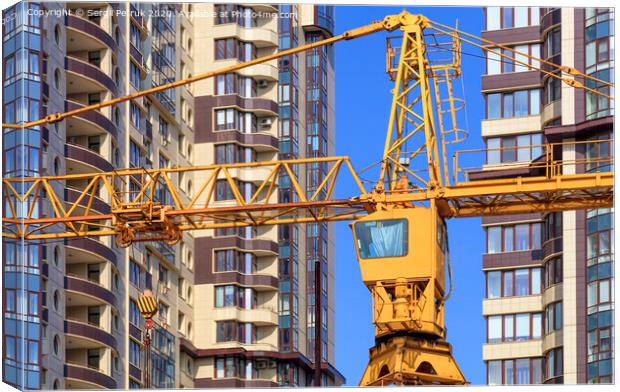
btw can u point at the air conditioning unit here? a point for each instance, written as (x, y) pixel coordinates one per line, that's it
(263, 83)
(266, 122)
(165, 289)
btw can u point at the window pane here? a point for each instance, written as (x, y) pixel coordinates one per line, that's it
(494, 284)
(494, 239)
(521, 57)
(521, 16)
(534, 102)
(508, 239)
(508, 11)
(536, 325)
(523, 371)
(508, 105)
(495, 329)
(494, 105)
(493, 156)
(522, 237)
(558, 316)
(508, 372)
(536, 241)
(494, 62)
(493, 21)
(521, 103)
(508, 286)
(522, 282)
(523, 326)
(536, 280)
(603, 291)
(509, 151)
(494, 368)
(509, 327)
(523, 150)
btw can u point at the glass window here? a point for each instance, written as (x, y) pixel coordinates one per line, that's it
(508, 239)
(536, 325)
(509, 151)
(508, 373)
(521, 16)
(494, 329)
(522, 236)
(508, 106)
(384, 238)
(523, 326)
(494, 284)
(509, 327)
(494, 369)
(508, 285)
(493, 19)
(536, 280)
(521, 103)
(523, 364)
(493, 152)
(522, 281)
(494, 62)
(534, 102)
(494, 239)
(494, 106)
(508, 17)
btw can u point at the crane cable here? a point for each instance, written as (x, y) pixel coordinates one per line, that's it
(566, 69)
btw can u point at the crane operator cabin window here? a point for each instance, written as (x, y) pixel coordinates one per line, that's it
(383, 238)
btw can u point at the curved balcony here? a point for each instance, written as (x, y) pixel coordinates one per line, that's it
(261, 71)
(81, 335)
(82, 160)
(258, 106)
(260, 36)
(259, 282)
(550, 19)
(88, 250)
(97, 204)
(259, 247)
(84, 377)
(89, 123)
(82, 292)
(83, 77)
(84, 35)
(258, 141)
(552, 247)
(260, 316)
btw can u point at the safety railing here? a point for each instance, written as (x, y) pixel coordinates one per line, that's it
(548, 160)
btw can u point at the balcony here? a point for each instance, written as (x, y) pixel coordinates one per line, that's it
(83, 292)
(260, 316)
(80, 376)
(81, 335)
(84, 35)
(84, 78)
(260, 36)
(81, 160)
(88, 250)
(90, 123)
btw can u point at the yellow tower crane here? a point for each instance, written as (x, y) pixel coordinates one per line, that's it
(399, 225)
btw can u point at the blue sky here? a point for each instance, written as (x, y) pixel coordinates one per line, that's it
(362, 107)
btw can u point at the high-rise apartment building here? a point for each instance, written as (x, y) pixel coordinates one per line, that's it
(549, 278)
(236, 308)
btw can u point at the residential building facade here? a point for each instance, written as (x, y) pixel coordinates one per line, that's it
(231, 311)
(549, 277)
